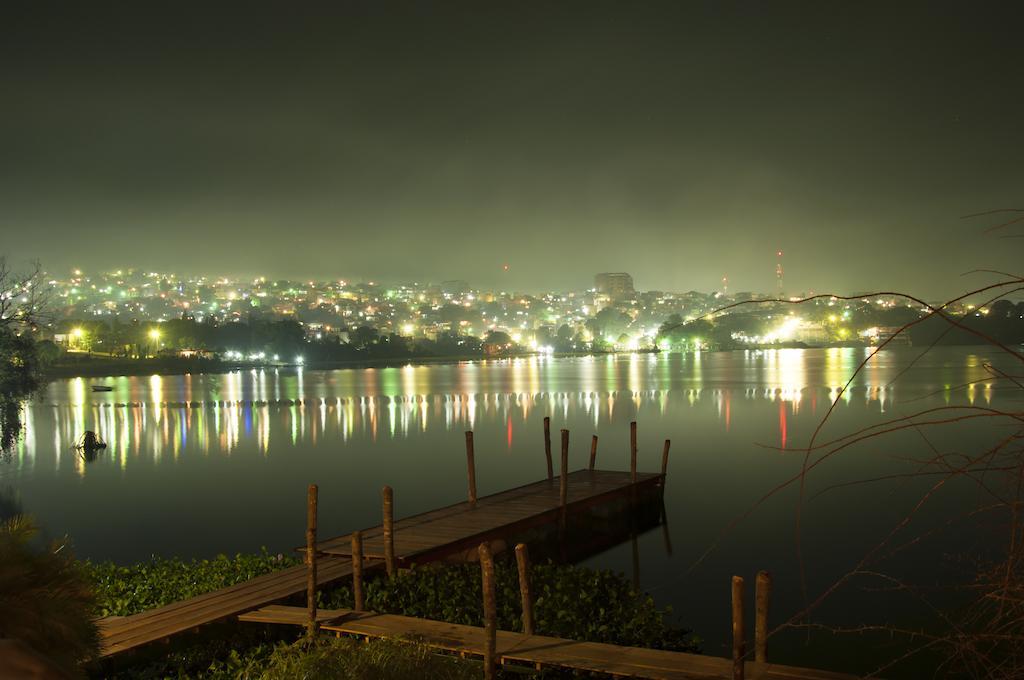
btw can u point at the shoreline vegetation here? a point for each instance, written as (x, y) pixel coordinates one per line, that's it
(571, 601)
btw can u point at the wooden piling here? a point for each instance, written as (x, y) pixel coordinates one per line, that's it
(563, 479)
(311, 502)
(664, 457)
(762, 598)
(357, 570)
(547, 446)
(593, 451)
(739, 647)
(636, 561)
(389, 530)
(471, 467)
(490, 612)
(525, 594)
(632, 451)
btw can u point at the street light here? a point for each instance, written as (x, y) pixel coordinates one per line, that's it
(154, 335)
(78, 336)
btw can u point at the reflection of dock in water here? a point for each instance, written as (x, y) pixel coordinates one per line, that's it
(439, 534)
(566, 516)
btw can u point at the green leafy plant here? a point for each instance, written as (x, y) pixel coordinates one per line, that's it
(126, 590)
(570, 602)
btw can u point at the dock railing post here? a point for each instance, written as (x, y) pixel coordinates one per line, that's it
(739, 647)
(490, 612)
(311, 501)
(357, 570)
(593, 451)
(664, 458)
(547, 446)
(525, 594)
(762, 599)
(389, 530)
(632, 452)
(563, 480)
(471, 467)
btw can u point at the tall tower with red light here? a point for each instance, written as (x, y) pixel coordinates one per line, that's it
(778, 270)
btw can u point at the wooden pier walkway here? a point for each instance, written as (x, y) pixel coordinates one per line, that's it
(615, 660)
(421, 538)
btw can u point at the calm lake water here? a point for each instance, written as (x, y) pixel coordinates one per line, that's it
(203, 464)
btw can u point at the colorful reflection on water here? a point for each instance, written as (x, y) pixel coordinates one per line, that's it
(201, 464)
(164, 416)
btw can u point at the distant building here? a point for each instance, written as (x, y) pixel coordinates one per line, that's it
(455, 287)
(614, 284)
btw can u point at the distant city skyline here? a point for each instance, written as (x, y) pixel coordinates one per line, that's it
(591, 283)
(517, 146)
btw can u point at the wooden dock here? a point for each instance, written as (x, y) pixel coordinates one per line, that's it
(614, 660)
(421, 538)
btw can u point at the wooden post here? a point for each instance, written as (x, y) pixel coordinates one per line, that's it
(632, 451)
(311, 499)
(471, 466)
(523, 562)
(563, 479)
(739, 647)
(357, 570)
(664, 457)
(389, 530)
(593, 451)
(636, 561)
(762, 597)
(665, 530)
(490, 612)
(547, 446)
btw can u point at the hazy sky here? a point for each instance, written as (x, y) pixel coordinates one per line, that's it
(428, 141)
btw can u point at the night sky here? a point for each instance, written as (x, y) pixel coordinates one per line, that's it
(430, 141)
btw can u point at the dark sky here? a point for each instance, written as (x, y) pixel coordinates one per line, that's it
(427, 141)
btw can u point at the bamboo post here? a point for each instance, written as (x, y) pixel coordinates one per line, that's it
(632, 451)
(563, 479)
(357, 570)
(664, 457)
(311, 500)
(762, 599)
(739, 647)
(471, 467)
(523, 562)
(389, 530)
(593, 451)
(490, 612)
(547, 446)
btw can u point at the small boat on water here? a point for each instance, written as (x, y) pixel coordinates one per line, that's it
(102, 388)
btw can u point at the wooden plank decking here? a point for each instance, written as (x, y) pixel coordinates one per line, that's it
(615, 660)
(421, 538)
(461, 525)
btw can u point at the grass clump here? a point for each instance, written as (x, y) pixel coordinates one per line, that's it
(350, 659)
(46, 602)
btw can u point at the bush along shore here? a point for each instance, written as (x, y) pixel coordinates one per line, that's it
(571, 602)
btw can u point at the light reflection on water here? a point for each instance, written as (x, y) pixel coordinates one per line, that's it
(157, 416)
(201, 464)
(157, 428)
